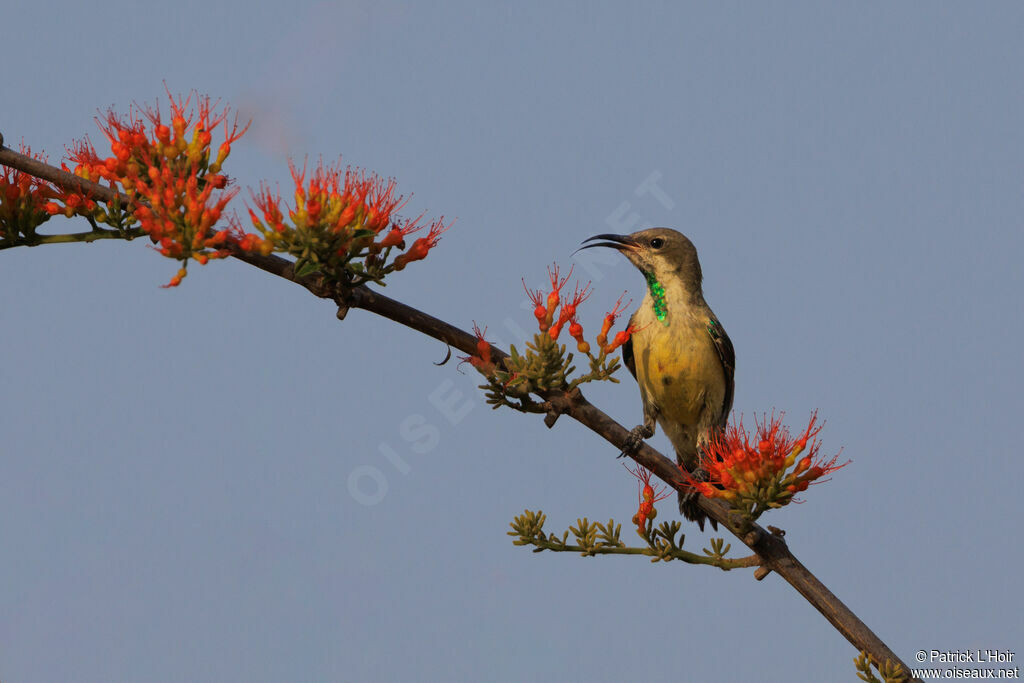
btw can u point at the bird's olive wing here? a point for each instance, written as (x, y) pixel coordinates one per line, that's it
(627, 354)
(726, 354)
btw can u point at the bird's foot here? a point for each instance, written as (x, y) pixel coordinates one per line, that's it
(688, 500)
(635, 439)
(689, 505)
(699, 473)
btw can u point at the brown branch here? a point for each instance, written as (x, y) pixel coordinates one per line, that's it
(57, 176)
(771, 548)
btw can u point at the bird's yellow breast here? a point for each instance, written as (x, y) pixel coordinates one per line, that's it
(680, 370)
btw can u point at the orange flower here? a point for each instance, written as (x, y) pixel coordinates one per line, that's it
(540, 311)
(481, 360)
(609, 321)
(621, 337)
(422, 246)
(88, 164)
(567, 310)
(753, 477)
(576, 332)
(648, 496)
(545, 306)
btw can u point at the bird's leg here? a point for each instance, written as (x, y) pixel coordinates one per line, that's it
(688, 505)
(686, 499)
(638, 434)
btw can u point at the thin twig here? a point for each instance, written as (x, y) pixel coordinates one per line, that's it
(36, 240)
(682, 555)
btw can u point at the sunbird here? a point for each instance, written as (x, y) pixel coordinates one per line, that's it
(680, 355)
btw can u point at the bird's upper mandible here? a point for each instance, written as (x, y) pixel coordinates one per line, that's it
(663, 253)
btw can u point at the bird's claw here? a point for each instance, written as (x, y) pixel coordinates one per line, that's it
(635, 439)
(688, 499)
(688, 505)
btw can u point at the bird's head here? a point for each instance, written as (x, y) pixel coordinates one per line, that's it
(666, 254)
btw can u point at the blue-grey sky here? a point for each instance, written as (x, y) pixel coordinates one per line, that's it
(222, 482)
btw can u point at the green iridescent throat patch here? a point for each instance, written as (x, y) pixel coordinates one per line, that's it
(658, 294)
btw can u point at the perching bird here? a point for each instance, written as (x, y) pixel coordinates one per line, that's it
(680, 355)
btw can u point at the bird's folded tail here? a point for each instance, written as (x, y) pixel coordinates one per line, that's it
(691, 510)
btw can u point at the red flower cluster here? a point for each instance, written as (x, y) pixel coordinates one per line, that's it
(765, 473)
(344, 223)
(23, 199)
(546, 307)
(648, 496)
(179, 193)
(337, 218)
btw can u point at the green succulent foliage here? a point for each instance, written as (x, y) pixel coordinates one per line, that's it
(19, 223)
(545, 365)
(718, 548)
(664, 542)
(360, 261)
(602, 367)
(891, 672)
(591, 537)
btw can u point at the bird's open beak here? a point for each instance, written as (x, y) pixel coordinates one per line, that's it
(622, 243)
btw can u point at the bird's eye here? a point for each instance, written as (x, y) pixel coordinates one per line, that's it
(657, 243)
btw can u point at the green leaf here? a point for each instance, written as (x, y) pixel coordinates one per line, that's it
(307, 268)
